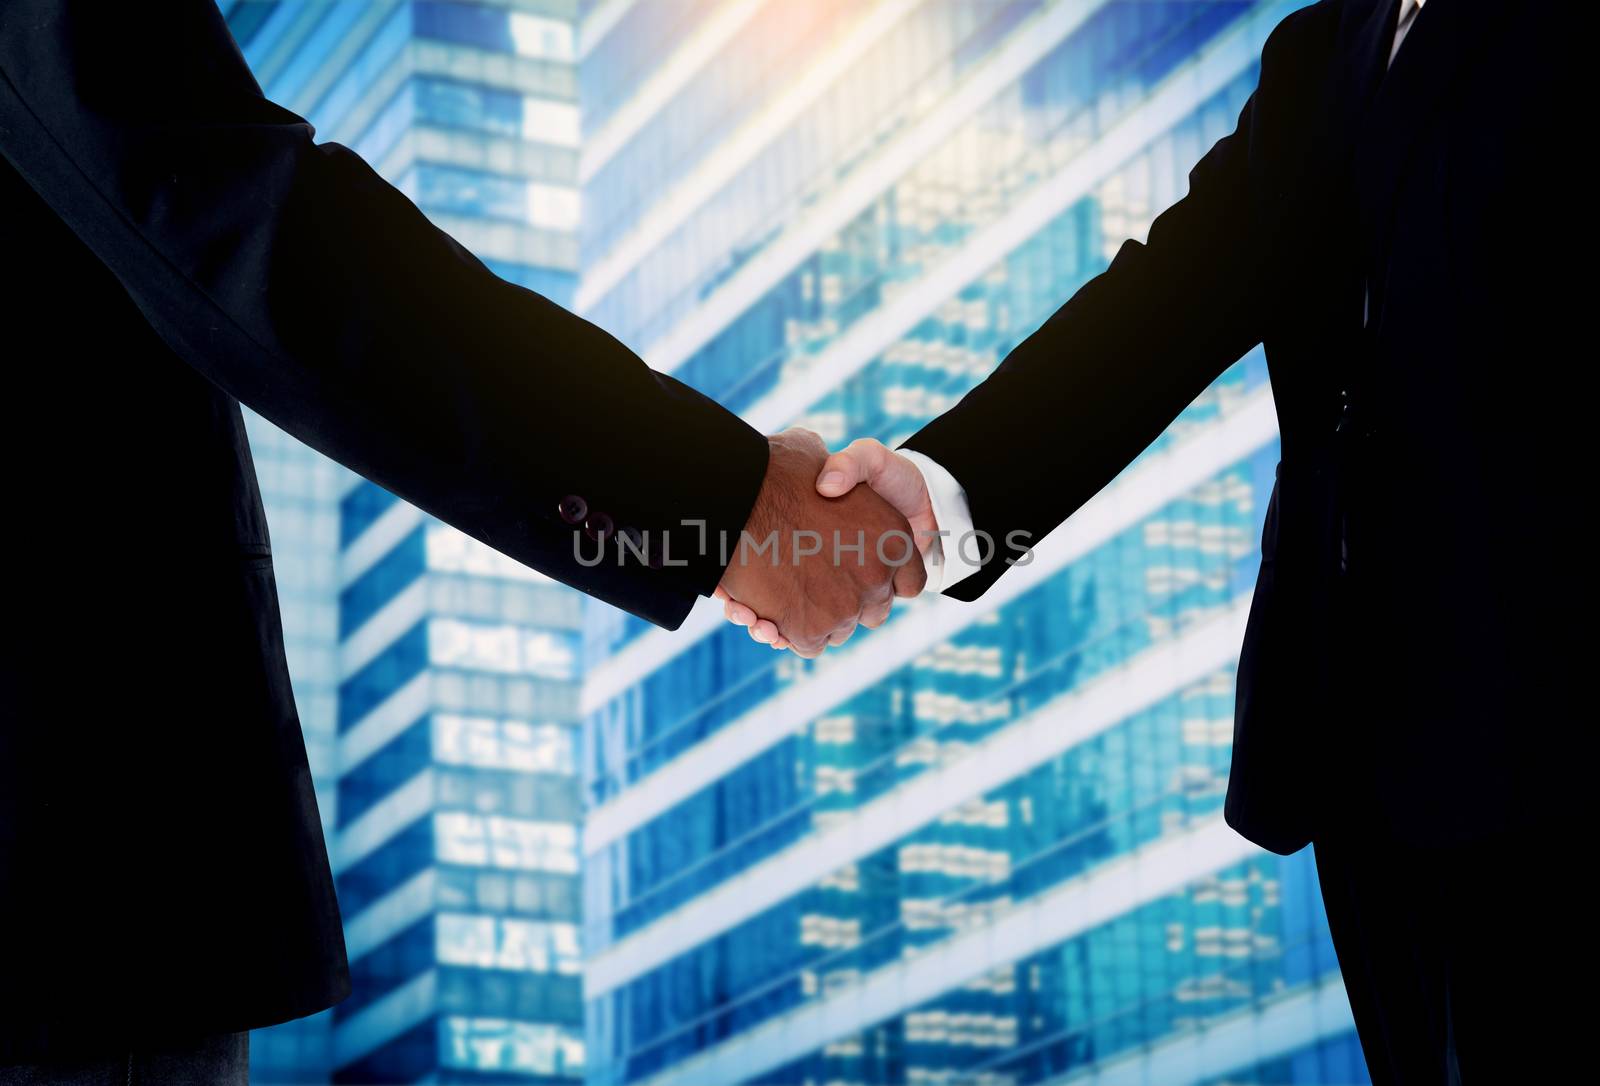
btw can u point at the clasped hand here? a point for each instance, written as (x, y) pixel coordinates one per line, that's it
(821, 555)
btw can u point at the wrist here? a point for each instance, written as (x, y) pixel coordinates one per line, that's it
(958, 549)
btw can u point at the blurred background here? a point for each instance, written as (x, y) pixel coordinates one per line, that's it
(980, 846)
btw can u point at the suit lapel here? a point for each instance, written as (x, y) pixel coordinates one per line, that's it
(1405, 97)
(1366, 28)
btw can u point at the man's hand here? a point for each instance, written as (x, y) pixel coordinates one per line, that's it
(797, 566)
(895, 479)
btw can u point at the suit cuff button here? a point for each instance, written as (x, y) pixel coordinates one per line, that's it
(573, 509)
(598, 526)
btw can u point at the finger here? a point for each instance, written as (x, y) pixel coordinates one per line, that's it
(763, 631)
(876, 614)
(731, 607)
(738, 614)
(911, 578)
(808, 647)
(841, 635)
(807, 441)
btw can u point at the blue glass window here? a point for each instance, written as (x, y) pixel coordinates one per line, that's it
(387, 966)
(383, 675)
(452, 104)
(385, 868)
(366, 502)
(407, 1058)
(381, 772)
(387, 578)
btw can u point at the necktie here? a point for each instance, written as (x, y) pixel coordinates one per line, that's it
(1408, 16)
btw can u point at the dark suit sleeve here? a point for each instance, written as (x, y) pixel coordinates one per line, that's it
(297, 280)
(1078, 400)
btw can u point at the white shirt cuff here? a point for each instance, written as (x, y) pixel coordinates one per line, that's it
(946, 562)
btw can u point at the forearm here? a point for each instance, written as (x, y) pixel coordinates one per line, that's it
(297, 280)
(1078, 400)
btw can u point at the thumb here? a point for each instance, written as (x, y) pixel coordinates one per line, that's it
(896, 480)
(911, 578)
(844, 469)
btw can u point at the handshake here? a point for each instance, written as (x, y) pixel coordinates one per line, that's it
(819, 555)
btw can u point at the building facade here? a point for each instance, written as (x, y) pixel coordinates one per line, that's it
(983, 844)
(437, 680)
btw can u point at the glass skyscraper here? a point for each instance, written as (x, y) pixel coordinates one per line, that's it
(436, 680)
(984, 844)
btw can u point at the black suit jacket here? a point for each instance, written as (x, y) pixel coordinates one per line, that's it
(174, 244)
(1410, 657)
